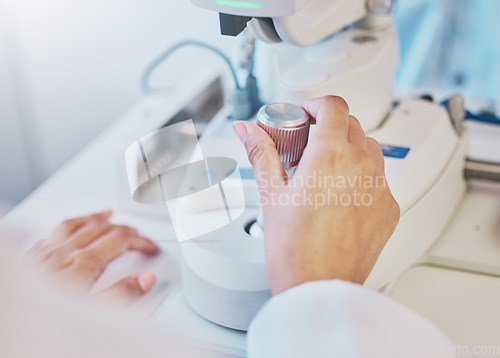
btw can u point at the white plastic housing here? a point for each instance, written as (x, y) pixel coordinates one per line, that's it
(318, 19)
(358, 65)
(428, 184)
(297, 22)
(254, 8)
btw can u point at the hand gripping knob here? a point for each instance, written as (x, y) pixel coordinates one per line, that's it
(288, 126)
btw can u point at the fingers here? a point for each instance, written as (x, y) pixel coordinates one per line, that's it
(68, 227)
(356, 134)
(262, 155)
(129, 289)
(36, 247)
(80, 249)
(120, 238)
(38, 252)
(331, 114)
(88, 233)
(118, 241)
(87, 265)
(376, 155)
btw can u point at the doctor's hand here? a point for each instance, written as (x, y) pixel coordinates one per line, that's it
(79, 250)
(332, 219)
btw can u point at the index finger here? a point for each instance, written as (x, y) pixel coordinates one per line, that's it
(118, 241)
(70, 226)
(330, 114)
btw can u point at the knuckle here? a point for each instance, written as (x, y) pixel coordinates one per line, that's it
(45, 253)
(83, 256)
(359, 156)
(59, 257)
(256, 151)
(86, 228)
(103, 227)
(355, 120)
(120, 230)
(365, 165)
(396, 209)
(394, 214)
(323, 141)
(93, 224)
(354, 123)
(88, 259)
(373, 145)
(39, 244)
(58, 254)
(130, 285)
(332, 153)
(393, 209)
(67, 224)
(336, 101)
(367, 168)
(372, 141)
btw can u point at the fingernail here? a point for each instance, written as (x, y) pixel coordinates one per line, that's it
(107, 212)
(146, 281)
(240, 129)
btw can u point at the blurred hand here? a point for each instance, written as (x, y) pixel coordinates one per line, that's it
(79, 250)
(332, 219)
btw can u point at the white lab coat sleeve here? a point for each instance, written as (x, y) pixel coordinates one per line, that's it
(342, 319)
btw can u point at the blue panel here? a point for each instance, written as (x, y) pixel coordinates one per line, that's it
(392, 151)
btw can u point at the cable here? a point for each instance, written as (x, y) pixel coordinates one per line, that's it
(145, 85)
(485, 118)
(478, 117)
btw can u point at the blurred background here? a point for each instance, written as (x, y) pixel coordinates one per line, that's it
(70, 68)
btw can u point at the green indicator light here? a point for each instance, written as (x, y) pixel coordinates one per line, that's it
(244, 4)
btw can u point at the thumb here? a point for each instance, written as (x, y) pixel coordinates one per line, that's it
(128, 290)
(262, 155)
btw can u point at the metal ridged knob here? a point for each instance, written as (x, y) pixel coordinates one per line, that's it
(288, 126)
(379, 7)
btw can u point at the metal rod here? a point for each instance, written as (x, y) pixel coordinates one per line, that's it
(475, 169)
